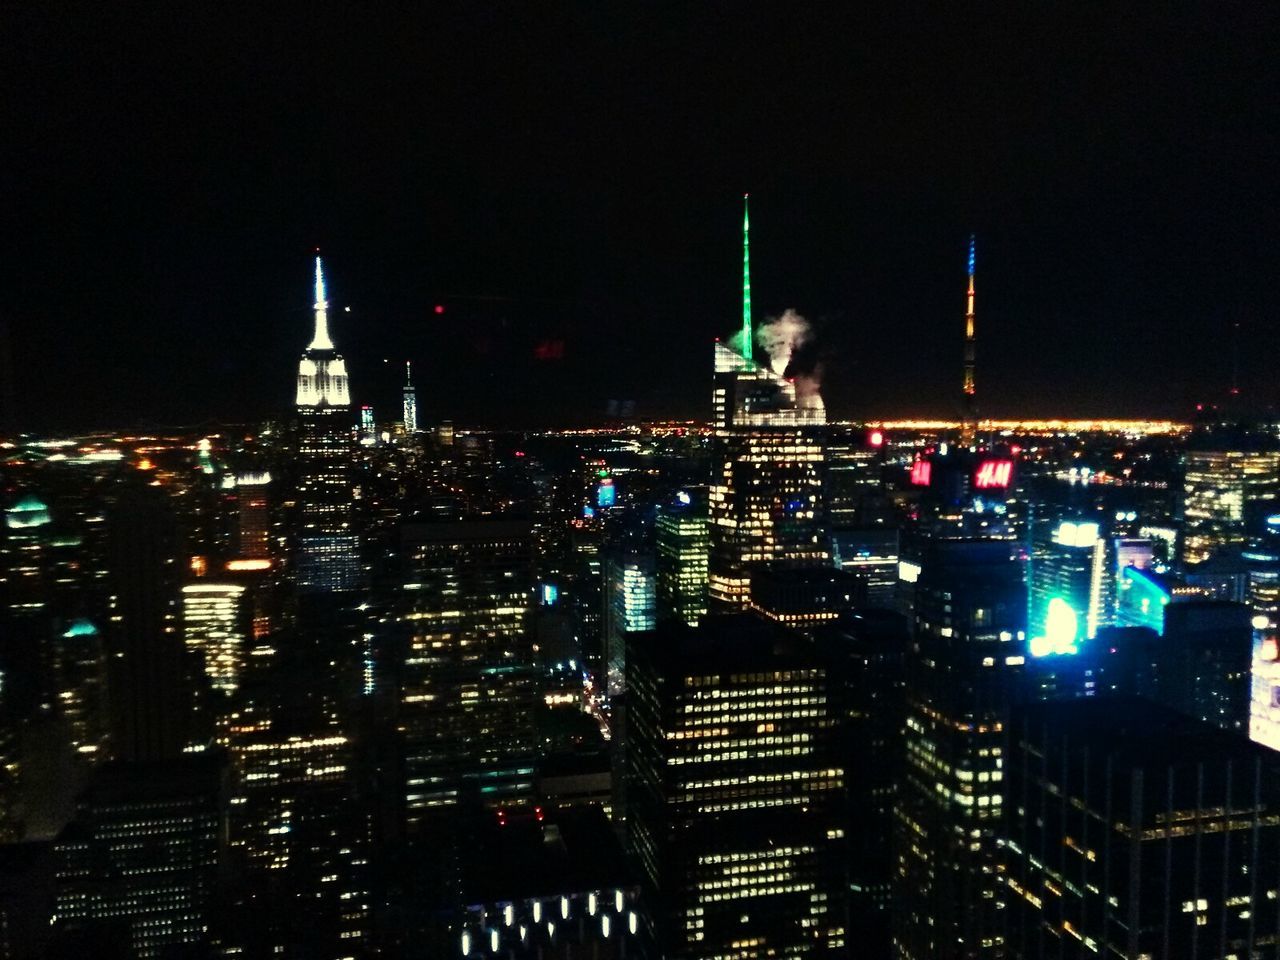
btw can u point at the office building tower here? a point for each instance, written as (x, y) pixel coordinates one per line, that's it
(765, 496)
(853, 485)
(468, 684)
(965, 663)
(327, 558)
(630, 605)
(1068, 583)
(865, 653)
(1136, 832)
(410, 401)
(138, 866)
(254, 513)
(872, 555)
(81, 689)
(682, 539)
(735, 791)
(1205, 658)
(39, 581)
(216, 628)
(368, 429)
(149, 672)
(1217, 486)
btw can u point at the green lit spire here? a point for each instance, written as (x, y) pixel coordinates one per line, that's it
(747, 336)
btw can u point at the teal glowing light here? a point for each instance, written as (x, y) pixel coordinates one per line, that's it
(80, 628)
(1061, 628)
(747, 336)
(27, 512)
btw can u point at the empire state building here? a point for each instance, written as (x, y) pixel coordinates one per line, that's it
(328, 558)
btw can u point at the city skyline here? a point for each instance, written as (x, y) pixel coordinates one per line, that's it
(1117, 198)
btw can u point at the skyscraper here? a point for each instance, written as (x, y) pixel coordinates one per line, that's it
(1068, 567)
(966, 657)
(215, 626)
(735, 788)
(149, 670)
(1135, 832)
(468, 686)
(254, 515)
(1217, 485)
(630, 603)
(140, 860)
(766, 493)
(681, 534)
(410, 400)
(327, 549)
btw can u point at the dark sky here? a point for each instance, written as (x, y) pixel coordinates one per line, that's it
(573, 172)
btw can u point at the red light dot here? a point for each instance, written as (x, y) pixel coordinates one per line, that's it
(439, 308)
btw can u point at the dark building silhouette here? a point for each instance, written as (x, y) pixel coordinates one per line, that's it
(1205, 659)
(1134, 831)
(964, 667)
(138, 866)
(149, 672)
(865, 654)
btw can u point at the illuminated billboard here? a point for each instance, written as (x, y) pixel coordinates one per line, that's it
(993, 474)
(1061, 630)
(921, 472)
(606, 494)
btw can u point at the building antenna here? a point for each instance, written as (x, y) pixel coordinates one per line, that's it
(1235, 359)
(321, 340)
(970, 351)
(747, 335)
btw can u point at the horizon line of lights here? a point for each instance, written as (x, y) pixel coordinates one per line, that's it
(1052, 425)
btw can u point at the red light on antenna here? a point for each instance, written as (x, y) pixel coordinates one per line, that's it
(875, 438)
(439, 308)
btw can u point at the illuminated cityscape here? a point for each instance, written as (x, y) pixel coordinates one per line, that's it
(443, 514)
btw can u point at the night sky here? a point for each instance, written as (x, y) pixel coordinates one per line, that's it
(566, 180)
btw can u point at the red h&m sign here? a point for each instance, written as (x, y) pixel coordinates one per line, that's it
(993, 473)
(921, 472)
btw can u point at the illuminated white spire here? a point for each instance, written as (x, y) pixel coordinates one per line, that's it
(321, 340)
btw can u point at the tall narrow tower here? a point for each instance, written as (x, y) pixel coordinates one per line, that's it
(327, 553)
(747, 333)
(970, 401)
(766, 499)
(410, 400)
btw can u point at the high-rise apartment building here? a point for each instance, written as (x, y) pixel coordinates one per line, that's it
(735, 808)
(468, 682)
(327, 550)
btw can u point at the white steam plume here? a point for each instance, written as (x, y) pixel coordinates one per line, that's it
(781, 337)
